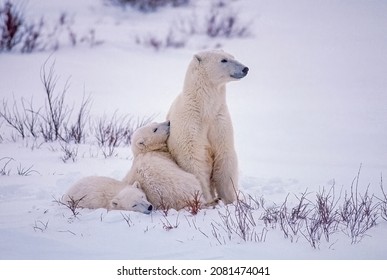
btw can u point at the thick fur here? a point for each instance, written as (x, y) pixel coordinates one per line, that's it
(201, 137)
(165, 184)
(103, 192)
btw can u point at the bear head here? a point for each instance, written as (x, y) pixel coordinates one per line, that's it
(217, 66)
(131, 198)
(151, 137)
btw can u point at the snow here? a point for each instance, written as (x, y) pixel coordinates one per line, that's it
(311, 111)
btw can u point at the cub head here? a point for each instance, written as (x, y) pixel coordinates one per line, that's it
(131, 198)
(218, 67)
(151, 137)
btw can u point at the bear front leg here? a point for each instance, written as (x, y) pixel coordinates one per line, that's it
(224, 177)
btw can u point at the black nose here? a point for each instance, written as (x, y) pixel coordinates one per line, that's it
(150, 208)
(168, 123)
(245, 70)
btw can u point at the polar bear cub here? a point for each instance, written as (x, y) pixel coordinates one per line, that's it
(163, 181)
(103, 192)
(201, 139)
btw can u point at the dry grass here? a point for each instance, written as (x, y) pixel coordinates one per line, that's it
(18, 32)
(72, 204)
(313, 217)
(194, 204)
(55, 120)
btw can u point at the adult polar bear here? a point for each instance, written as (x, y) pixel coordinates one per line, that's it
(201, 135)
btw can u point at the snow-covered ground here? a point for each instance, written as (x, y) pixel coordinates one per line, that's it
(311, 111)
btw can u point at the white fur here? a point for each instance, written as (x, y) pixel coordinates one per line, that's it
(163, 181)
(201, 138)
(103, 192)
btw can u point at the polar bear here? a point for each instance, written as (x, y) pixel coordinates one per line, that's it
(201, 138)
(165, 184)
(103, 192)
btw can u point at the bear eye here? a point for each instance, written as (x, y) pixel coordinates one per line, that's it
(154, 130)
(134, 205)
(224, 60)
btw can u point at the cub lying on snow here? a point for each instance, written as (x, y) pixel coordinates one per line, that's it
(162, 180)
(154, 174)
(103, 192)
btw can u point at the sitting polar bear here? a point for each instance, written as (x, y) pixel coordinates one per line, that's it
(103, 192)
(165, 184)
(201, 138)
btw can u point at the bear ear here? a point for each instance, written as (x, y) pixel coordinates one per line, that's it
(114, 203)
(137, 185)
(198, 58)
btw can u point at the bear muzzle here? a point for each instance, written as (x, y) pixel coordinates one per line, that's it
(240, 74)
(148, 209)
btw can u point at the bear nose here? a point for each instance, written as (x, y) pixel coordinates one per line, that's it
(168, 123)
(245, 70)
(150, 208)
